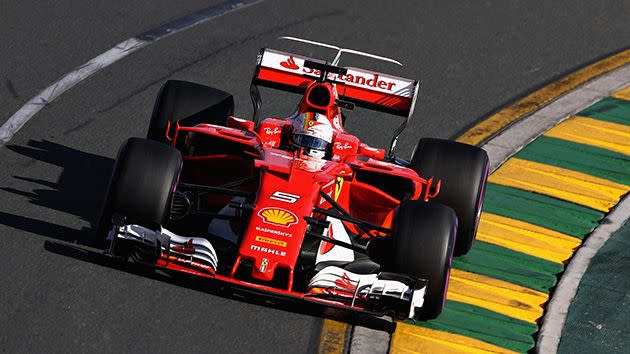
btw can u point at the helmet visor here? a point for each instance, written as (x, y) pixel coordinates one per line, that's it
(310, 142)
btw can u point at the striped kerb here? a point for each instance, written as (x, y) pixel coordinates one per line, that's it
(539, 206)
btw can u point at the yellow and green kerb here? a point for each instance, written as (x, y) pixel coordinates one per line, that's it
(539, 206)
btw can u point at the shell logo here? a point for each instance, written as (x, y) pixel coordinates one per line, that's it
(278, 216)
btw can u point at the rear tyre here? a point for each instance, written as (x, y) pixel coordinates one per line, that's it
(188, 104)
(463, 170)
(142, 183)
(423, 237)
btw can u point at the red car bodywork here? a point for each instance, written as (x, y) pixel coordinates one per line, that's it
(285, 172)
(288, 186)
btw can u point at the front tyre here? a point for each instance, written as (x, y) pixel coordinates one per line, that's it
(142, 183)
(187, 104)
(422, 238)
(463, 170)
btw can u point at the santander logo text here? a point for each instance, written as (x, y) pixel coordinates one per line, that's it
(367, 80)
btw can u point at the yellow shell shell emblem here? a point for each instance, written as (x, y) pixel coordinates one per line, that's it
(277, 216)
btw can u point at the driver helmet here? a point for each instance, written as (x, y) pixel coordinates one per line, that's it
(312, 133)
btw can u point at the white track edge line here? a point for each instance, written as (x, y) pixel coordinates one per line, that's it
(119, 51)
(558, 308)
(520, 134)
(129, 46)
(50, 93)
(517, 136)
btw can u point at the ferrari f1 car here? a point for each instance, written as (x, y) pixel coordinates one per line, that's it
(297, 207)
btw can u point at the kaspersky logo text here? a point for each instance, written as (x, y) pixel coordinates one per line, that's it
(275, 232)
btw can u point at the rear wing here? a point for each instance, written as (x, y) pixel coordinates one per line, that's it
(367, 89)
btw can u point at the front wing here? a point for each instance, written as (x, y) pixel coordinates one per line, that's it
(372, 294)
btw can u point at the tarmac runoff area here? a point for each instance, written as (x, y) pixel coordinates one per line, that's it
(557, 173)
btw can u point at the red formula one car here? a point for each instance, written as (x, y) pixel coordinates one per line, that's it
(297, 207)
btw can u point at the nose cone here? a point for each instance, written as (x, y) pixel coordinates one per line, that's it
(276, 229)
(264, 269)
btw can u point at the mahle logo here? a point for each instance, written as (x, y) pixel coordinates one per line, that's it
(267, 250)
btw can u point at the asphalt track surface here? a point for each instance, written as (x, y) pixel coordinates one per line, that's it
(59, 296)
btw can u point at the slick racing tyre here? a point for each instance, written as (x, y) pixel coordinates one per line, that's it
(422, 238)
(142, 183)
(188, 104)
(463, 170)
